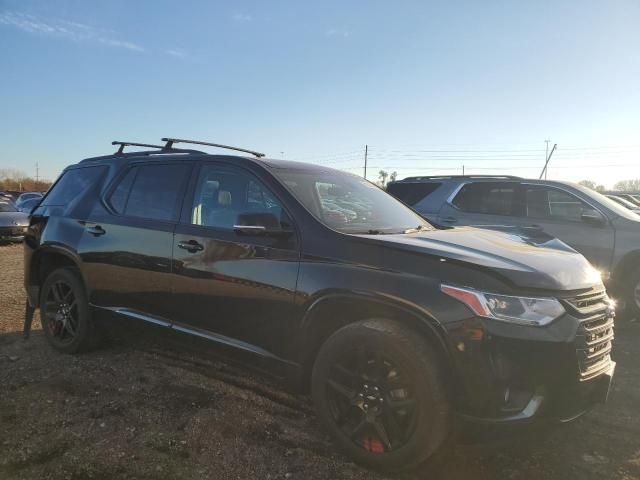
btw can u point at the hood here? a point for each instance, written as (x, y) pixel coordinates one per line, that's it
(528, 260)
(13, 219)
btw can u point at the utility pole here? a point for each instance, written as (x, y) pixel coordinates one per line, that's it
(366, 152)
(463, 170)
(544, 170)
(37, 172)
(546, 154)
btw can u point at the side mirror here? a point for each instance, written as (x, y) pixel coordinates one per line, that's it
(593, 216)
(260, 224)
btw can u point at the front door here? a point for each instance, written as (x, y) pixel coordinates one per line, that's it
(238, 286)
(560, 214)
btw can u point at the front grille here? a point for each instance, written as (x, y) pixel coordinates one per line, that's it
(594, 345)
(595, 332)
(590, 302)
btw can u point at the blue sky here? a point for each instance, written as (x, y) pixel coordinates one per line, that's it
(430, 86)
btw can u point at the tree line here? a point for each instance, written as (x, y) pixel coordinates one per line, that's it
(621, 186)
(16, 180)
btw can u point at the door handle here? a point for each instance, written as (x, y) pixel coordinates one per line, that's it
(449, 219)
(95, 230)
(191, 246)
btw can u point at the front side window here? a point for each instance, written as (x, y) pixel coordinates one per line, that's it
(72, 184)
(348, 203)
(542, 202)
(225, 197)
(488, 198)
(150, 191)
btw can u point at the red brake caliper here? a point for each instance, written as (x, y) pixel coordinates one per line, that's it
(371, 444)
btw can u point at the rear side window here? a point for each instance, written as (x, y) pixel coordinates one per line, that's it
(488, 198)
(412, 193)
(150, 191)
(72, 184)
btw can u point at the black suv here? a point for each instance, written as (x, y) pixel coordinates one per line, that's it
(400, 330)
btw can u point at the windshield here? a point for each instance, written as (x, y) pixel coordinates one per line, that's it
(350, 204)
(6, 207)
(623, 202)
(610, 204)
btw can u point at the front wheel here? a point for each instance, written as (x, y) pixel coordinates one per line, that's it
(632, 299)
(378, 389)
(65, 314)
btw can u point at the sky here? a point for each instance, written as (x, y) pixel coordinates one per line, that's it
(428, 86)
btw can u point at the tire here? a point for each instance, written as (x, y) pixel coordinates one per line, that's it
(65, 314)
(632, 294)
(412, 406)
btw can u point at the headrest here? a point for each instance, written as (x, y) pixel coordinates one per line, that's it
(224, 197)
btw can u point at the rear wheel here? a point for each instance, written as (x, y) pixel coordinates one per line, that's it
(65, 314)
(378, 389)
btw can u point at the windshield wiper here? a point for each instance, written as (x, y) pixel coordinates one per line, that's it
(417, 229)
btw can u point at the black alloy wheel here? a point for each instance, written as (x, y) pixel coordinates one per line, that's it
(65, 314)
(60, 313)
(371, 400)
(379, 390)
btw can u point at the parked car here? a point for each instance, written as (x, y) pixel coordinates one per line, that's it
(28, 205)
(13, 223)
(27, 196)
(625, 203)
(594, 225)
(395, 326)
(634, 199)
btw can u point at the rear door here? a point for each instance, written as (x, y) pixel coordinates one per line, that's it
(230, 287)
(483, 204)
(127, 243)
(559, 213)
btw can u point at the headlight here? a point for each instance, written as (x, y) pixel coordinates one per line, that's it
(523, 310)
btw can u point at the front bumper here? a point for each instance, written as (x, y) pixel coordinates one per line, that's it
(509, 374)
(12, 234)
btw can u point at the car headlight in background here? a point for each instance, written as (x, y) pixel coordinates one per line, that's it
(522, 310)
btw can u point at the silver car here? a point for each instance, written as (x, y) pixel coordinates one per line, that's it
(13, 223)
(605, 232)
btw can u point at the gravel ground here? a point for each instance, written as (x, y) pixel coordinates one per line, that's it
(151, 413)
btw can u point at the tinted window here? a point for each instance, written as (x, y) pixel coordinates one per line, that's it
(225, 197)
(542, 202)
(488, 198)
(412, 193)
(119, 197)
(154, 192)
(348, 203)
(72, 184)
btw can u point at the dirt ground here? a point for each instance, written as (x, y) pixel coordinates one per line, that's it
(148, 413)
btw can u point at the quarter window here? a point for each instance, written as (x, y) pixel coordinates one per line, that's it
(72, 184)
(412, 192)
(488, 198)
